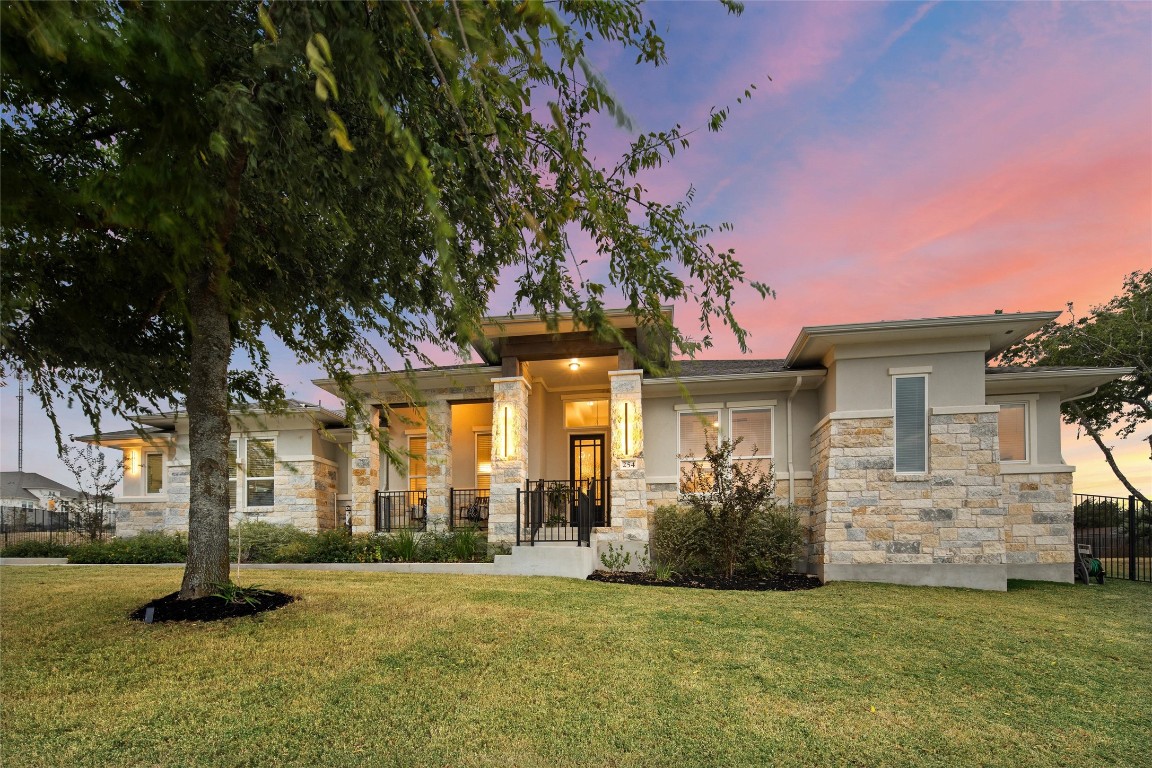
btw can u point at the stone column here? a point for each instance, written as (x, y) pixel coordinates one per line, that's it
(509, 455)
(438, 462)
(365, 474)
(628, 499)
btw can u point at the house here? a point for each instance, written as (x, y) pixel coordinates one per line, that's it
(908, 458)
(29, 498)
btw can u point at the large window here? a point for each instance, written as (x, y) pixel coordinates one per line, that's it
(1014, 432)
(753, 428)
(258, 468)
(417, 469)
(484, 460)
(911, 423)
(579, 414)
(698, 429)
(154, 473)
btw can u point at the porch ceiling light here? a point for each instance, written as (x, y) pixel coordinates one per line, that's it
(574, 365)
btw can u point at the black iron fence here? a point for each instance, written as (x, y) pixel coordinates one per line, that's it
(399, 510)
(561, 510)
(469, 508)
(18, 524)
(1119, 530)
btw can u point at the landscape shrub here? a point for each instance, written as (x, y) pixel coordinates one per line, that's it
(775, 540)
(35, 548)
(261, 542)
(677, 540)
(149, 547)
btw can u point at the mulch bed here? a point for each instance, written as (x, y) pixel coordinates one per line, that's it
(788, 583)
(168, 608)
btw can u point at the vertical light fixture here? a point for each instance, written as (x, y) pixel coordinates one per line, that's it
(505, 430)
(627, 431)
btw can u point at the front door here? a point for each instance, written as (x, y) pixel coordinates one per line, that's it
(587, 461)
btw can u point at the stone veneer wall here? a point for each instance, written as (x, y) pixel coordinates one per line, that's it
(365, 474)
(305, 495)
(945, 526)
(628, 489)
(438, 462)
(1040, 539)
(508, 472)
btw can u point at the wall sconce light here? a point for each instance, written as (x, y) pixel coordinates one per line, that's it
(574, 365)
(627, 430)
(507, 444)
(131, 462)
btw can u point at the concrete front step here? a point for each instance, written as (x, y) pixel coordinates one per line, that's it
(548, 559)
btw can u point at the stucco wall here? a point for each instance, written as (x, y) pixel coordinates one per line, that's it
(862, 384)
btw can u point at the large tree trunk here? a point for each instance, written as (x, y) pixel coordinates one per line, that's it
(208, 432)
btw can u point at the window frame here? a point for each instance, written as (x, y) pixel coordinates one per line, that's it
(147, 473)
(424, 460)
(895, 429)
(491, 448)
(680, 460)
(1031, 404)
(239, 461)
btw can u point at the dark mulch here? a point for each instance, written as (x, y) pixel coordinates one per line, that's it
(168, 608)
(787, 583)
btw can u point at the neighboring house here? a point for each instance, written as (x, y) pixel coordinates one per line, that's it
(29, 498)
(908, 459)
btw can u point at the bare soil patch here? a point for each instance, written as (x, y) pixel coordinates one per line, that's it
(168, 608)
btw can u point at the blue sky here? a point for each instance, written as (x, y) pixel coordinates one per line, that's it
(905, 160)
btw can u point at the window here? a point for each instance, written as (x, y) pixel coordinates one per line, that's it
(257, 488)
(911, 423)
(753, 428)
(417, 469)
(585, 413)
(1014, 432)
(484, 460)
(154, 473)
(697, 430)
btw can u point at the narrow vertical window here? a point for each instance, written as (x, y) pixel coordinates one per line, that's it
(233, 462)
(484, 460)
(260, 485)
(417, 469)
(1013, 432)
(154, 468)
(911, 424)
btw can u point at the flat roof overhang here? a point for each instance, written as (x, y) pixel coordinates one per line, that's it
(1001, 331)
(387, 387)
(1067, 382)
(773, 381)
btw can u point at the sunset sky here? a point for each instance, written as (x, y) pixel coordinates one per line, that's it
(905, 160)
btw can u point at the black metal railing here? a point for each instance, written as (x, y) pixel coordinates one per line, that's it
(561, 510)
(469, 508)
(19, 524)
(398, 510)
(1119, 530)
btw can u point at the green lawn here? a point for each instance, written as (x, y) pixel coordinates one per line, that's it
(410, 670)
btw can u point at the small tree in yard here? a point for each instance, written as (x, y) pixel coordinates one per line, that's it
(742, 525)
(95, 479)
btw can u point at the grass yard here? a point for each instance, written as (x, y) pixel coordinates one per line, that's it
(415, 670)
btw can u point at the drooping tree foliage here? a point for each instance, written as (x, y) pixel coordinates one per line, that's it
(184, 182)
(1115, 335)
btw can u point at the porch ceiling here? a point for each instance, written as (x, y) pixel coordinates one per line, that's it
(558, 377)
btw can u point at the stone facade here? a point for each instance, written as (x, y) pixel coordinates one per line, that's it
(1039, 537)
(867, 515)
(305, 495)
(438, 462)
(628, 486)
(365, 474)
(509, 455)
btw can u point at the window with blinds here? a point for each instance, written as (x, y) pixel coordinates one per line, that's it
(417, 469)
(260, 469)
(1013, 432)
(911, 423)
(753, 428)
(697, 431)
(233, 471)
(154, 468)
(484, 460)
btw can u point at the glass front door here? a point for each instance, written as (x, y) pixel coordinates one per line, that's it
(587, 463)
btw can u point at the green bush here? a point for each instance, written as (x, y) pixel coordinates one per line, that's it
(35, 548)
(402, 546)
(774, 541)
(142, 548)
(678, 541)
(262, 541)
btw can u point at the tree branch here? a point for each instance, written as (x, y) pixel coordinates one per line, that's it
(1095, 435)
